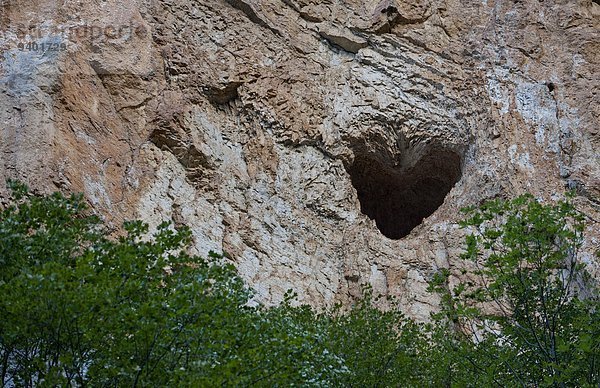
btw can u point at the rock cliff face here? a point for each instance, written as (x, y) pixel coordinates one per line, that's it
(322, 144)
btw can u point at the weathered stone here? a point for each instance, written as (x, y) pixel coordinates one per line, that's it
(342, 37)
(237, 118)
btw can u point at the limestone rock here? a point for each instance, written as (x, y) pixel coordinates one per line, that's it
(342, 37)
(316, 168)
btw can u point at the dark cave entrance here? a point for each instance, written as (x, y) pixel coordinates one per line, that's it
(398, 200)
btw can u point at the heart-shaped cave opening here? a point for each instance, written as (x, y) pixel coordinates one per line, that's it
(398, 198)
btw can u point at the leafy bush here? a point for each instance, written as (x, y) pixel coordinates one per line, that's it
(380, 348)
(79, 307)
(527, 312)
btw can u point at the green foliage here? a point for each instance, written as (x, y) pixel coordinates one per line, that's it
(79, 307)
(527, 313)
(380, 348)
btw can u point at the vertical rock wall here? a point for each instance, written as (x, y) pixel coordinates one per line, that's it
(322, 144)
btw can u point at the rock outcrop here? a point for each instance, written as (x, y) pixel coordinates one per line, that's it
(322, 144)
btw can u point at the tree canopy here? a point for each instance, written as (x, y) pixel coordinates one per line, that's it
(80, 307)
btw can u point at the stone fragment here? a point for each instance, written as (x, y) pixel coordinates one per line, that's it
(342, 37)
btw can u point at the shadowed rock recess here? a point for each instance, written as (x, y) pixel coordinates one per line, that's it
(399, 199)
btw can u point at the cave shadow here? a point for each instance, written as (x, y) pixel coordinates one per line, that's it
(399, 199)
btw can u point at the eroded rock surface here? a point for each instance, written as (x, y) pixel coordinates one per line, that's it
(322, 144)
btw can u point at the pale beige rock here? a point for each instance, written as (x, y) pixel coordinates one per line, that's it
(342, 37)
(255, 123)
